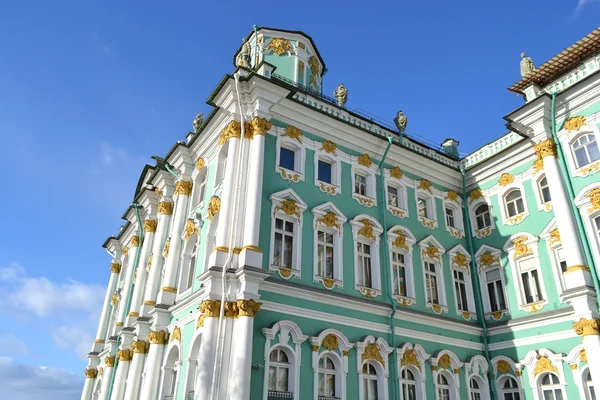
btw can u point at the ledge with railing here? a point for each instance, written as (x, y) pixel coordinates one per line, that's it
(327, 398)
(277, 395)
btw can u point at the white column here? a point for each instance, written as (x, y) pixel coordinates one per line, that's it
(142, 272)
(165, 210)
(107, 377)
(589, 329)
(183, 190)
(239, 374)
(135, 242)
(115, 269)
(88, 385)
(139, 348)
(121, 374)
(206, 357)
(158, 339)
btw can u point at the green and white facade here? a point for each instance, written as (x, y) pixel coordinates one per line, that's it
(293, 249)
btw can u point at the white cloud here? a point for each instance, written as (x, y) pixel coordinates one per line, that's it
(110, 154)
(583, 3)
(23, 382)
(12, 345)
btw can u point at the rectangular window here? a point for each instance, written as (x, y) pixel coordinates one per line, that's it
(284, 243)
(325, 254)
(431, 283)
(392, 193)
(450, 217)
(495, 290)
(287, 158)
(365, 278)
(597, 224)
(324, 171)
(399, 274)
(422, 208)
(560, 258)
(530, 280)
(460, 286)
(360, 184)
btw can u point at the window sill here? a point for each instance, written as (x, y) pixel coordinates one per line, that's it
(437, 308)
(285, 273)
(455, 232)
(328, 283)
(467, 315)
(547, 206)
(364, 200)
(588, 169)
(517, 219)
(496, 315)
(533, 307)
(291, 176)
(428, 223)
(405, 301)
(397, 211)
(481, 233)
(371, 293)
(328, 188)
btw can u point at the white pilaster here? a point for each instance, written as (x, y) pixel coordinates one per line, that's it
(589, 329)
(142, 272)
(210, 312)
(158, 339)
(239, 375)
(135, 242)
(88, 385)
(107, 377)
(139, 348)
(120, 381)
(115, 269)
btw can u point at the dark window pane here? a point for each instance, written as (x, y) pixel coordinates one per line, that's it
(286, 158)
(324, 171)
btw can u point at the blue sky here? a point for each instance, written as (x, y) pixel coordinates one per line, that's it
(90, 90)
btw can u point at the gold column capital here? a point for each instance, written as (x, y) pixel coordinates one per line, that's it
(165, 208)
(259, 126)
(210, 308)
(140, 346)
(91, 373)
(183, 187)
(587, 327)
(135, 241)
(150, 225)
(115, 268)
(200, 163)
(158, 337)
(124, 355)
(109, 361)
(248, 308)
(545, 148)
(231, 310)
(232, 130)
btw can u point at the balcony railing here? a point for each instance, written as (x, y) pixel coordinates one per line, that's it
(328, 398)
(189, 395)
(276, 395)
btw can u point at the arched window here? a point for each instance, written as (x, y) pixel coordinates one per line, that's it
(192, 369)
(585, 149)
(170, 372)
(550, 387)
(482, 217)
(443, 388)
(199, 189)
(408, 385)
(544, 190)
(97, 387)
(327, 378)
(423, 208)
(190, 268)
(510, 389)
(369, 382)
(513, 202)
(590, 394)
(475, 389)
(279, 374)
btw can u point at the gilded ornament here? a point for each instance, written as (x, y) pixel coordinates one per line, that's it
(543, 365)
(521, 247)
(231, 310)
(372, 352)
(575, 268)
(365, 160)
(488, 259)
(326, 188)
(158, 191)
(140, 346)
(150, 225)
(200, 163)
(545, 148)
(503, 367)
(497, 315)
(176, 334)
(410, 358)
(365, 201)
(515, 220)
(280, 46)
(427, 223)
(124, 355)
(328, 283)
(115, 299)
(535, 307)
(248, 308)
(431, 251)
(452, 196)
(213, 207)
(583, 356)
(190, 229)
(91, 373)
(149, 265)
(258, 126)
(436, 308)
(594, 196)
(126, 251)
(109, 361)
(396, 173)
(575, 123)
(301, 63)
(135, 275)
(367, 229)
(100, 371)
(210, 308)
(506, 179)
(400, 240)
(289, 176)
(444, 361)
(165, 208)
(466, 315)
(293, 133)
(169, 289)
(232, 130)
(184, 187)
(346, 353)
(315, 347)
(425, 185)
(330, 220)
(554, 237)
(115, 268)
(158, 337)
(313, 63)
(330, 342)
(328, 147)
(456, 370)
(367, 292)
(135, 241)
(166, 249)
(302, 46)
(573, 366)
(285, 272)
(460, 260)
(538, 165)
(587, 327)
(290, 207)
(200, 321)
(475, 194)
(518, 373)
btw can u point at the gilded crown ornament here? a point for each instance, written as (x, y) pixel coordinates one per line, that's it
(328, 147)
(293, 133)
(396, 173)
(330, 342)
(183, 187)
(367, 229)
(575, 123)
(280, 46)
(400, 240)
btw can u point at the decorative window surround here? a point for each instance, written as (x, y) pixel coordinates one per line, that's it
(447, 364)
(377, 353)
(278, 337)
(569, 137)
(331, 343)
(366, 231)
(504, 369)
(508, 188)
(329, 219)
(551, 236)
(396, 179)
(522, 247)
(588, 203)
(329, 153)
(487, 259)
(425, 190)
(401, 241)
(452, 201)
(460, 261)
(220, 163)
(200, 179)
(188, 261)
(364, 166)
(537, 190)
(287, 206)
(291, 138)
(476, 367)
(538, 364)
(579, 370)
(476, 199)
(431, 252)
(413, 358)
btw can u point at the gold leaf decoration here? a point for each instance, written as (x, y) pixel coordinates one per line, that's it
(444, 361)
(400, 241)
(575, 123)
(583, 356)
(290, 207)
(91, 373)
(285, 272)
(475, 194)
(372, 352)
(166, 249)
(425, 185)
(488, 259)
(280, 46)
(545, 148)
(431, 251)
(293, 133)
(213, 207)
(544, 365)
(165, 208)
(365, 160)
(520, 246)
(184, 187)
(158, 337)
(150, 225)
(594, 196)
(409, 357)
(506, 179)
(396, 173)
(114, 299)
(259, 127)
(367, 229)
(538, 165)
(135, 241)
(328, 147)
(232, 130)
(452, 196)
(587, 327)
(176, 335)
(200, 163)
(313, 63)
(503, 367)
(330, 220)
(190, 229)
(460, 260)
(554, 237)
(210, 308)
(330, 342)
(115, 268)
(248, 308)
(328, 283)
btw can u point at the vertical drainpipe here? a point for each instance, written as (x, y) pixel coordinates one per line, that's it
(571, 195)
(476, 288)
(255, 45)
(135, 264)
(386, 258)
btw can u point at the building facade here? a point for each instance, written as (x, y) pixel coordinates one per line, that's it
(295, 249)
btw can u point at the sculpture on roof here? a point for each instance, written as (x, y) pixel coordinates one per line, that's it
(400, 121)
(198, 122)
(527, 65)
(244, 56)
(341, 94)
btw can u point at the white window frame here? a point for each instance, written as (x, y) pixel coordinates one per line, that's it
(278, 336)
(584, 383)
(369, 199)
(516, 262)
(170, 371)
(200, 180)
(568, 138)
(277, 211)
(401, 185)
(360, 230)
(530, 361)
(588, 215)
(537, 190)
(458, 231)
(429, 195)
(418, 371)
(519, 217)
(407, 251)
(339, 356)
(335, 159)
(320, 222)
(437, 370)
(220, 164)
(482, 269)
(297, 174)
(553, 247)
(436, 260)
(480, 233)
(500, 385)
(460, 261)
(185, 263)
(477, 368)
(382, 369)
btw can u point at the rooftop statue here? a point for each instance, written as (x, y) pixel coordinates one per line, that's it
(244, 56)
(341, 94)
(527, 65)
(400, 121)
(198, 122)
